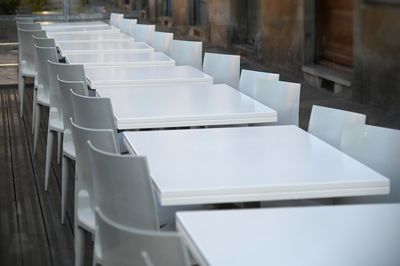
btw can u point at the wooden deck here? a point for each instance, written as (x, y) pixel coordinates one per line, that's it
(30, 228)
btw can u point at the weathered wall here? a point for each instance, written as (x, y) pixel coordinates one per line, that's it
(220, 15)
(282, 27)
(377, 55)
(180, 12)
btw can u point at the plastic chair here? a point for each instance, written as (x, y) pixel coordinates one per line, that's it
(56, 123)
(127, 25)
(24, 19)
(44, 42)
(283, 97)
(379, 149)
(162, 41)
(26, 67)
(248, 79)
(115, 19)
(187, 53)
(328, 124)
(223, 68)
(84, 195)
(41, 93)
(120, 245)
(68, 154)
(143, 33)
(23, 25)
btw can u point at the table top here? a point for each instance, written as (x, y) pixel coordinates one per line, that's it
(89, 36)
(50, 25)
(122, 76)
(103, 46)
(184, 105)
(100, 27)
(244, 164)
(347, 235)
(120, 59)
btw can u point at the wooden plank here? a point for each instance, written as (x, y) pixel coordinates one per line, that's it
(10, 248)
(60, 236)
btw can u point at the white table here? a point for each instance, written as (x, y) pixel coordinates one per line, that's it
(121, 59)
(49, 29)
(89, 36)
(132, 76)
(184, 105)
(50, 25)
(367, 235)
(245, 164)
(103, 46)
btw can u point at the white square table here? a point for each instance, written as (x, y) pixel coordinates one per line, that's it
(101, 77)
(64, 25)
(162, 106)
(103, 46)
(88, 36)
(246, 164)
(367, 235)
(121, 59)
(82, 28)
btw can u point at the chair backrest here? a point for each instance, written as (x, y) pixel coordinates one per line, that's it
(283, 97)
(187, 53)
(78, 87)
(24, 19)
(28, 25)
(248, 79)
(115, 19)
(27, 48)
(328, 123)
(70, 72)
(43, 42)
(223, 68)
(123, 189)
(102, 138)
(121, 245)
(378, 148)
(143, 33)
(127, 25)
(162, 41)
(42, 55)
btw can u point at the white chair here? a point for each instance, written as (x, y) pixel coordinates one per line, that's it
(187, 53)
(56, 123)
(24, 19)
(162, 41)
(283, 97)
(44, 42)
(68, 154)
(41, 96)
(115, 19)
(26, 67)
(119, 245)
(28, 25)
(328, 124)
(143, 33)
(379, 149)
(127, 25)
(248, 79)
(84, 194)
(223, 68)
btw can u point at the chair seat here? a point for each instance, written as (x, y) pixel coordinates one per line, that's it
(55, 122)
(42, 98)
(68, 145)
(27, 71)
(86, 218)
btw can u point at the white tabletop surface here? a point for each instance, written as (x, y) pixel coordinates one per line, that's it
(77, 29)
(184, 105)
(244, 164)
(103, 46)
(89, 36)
(49, 25)
(367, 235)
(122, 76)
(121, 59)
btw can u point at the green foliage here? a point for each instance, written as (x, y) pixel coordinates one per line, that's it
(9, 7)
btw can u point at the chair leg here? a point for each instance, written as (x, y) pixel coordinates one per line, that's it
(49, 153)
(59, 146)
(79, 246)
(34, 110)
(64, 185)
(21, 89)
(38, 110)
